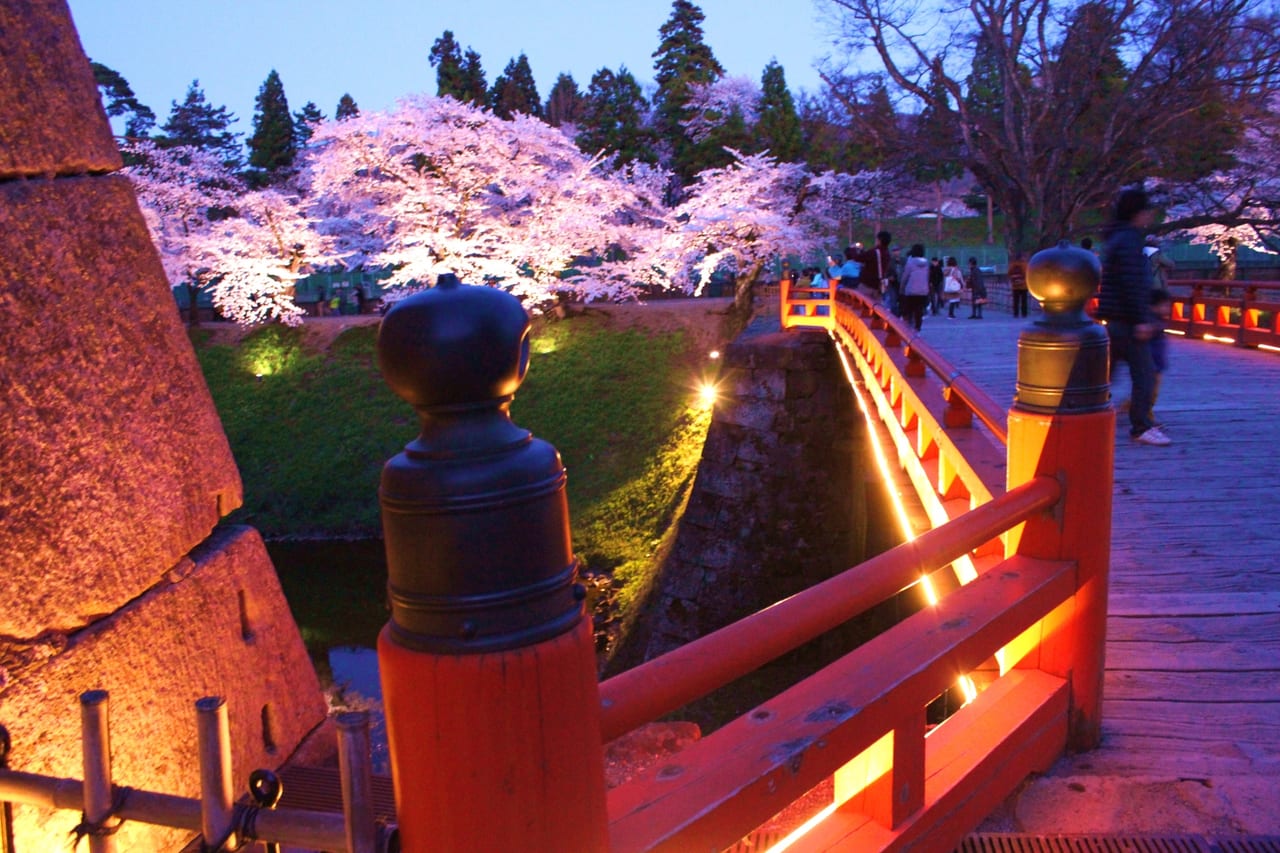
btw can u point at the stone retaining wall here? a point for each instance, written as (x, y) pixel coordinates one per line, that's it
(114, 473)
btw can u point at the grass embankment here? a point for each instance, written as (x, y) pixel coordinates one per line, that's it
(311, 430)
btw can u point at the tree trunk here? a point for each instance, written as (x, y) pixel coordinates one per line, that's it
(193, 306)
(937, 186)
(991, 221)
(744, 297)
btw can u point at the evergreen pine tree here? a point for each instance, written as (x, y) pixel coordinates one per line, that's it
(346, 108)
(197, 123)
(682, 59)
(474, 89)
(304, 123)
(514, 91)
(446, 58)
(119, 99)
(564, 103)
(612, 118)
(778, 127)
(271, 147)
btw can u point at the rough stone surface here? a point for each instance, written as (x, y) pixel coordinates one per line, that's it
(115, 464)
(219, 627)
(51, 116)
(779, 500)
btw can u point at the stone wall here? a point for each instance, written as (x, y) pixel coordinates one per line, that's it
(114, 473)
(779, 502)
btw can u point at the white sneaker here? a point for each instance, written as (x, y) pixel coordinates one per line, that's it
(1153, 436)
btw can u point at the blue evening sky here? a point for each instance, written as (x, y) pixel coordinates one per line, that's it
(377, 49)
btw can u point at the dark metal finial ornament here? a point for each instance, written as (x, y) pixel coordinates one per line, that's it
(474, 511)
(1064, 358)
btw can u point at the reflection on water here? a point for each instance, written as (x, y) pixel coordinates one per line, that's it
(337, 592)
(356, 685)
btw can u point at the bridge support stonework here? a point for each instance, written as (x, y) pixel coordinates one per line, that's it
(779, 502)
(114, 473)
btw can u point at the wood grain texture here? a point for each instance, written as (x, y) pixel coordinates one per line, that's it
(1192, 683)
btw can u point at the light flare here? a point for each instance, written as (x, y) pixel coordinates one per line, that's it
(1220, 339)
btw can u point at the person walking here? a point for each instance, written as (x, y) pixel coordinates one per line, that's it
(952, 286)
(1018, 285)
(977, 290)
(936, 276)
(877, 265)
(915, 287)
(1124, 301)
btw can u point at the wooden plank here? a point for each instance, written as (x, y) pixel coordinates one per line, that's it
(1192, 603)
(1193, 657)
(1208, 687)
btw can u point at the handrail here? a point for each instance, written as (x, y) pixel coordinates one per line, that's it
(907, 789)
(693, 670)
(806, 306)
(978, 401)
(1245, 319)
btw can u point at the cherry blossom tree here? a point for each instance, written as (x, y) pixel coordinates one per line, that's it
(711, 104)
(247, 249)
(1235, 207)
(740, 217)
(440, 186)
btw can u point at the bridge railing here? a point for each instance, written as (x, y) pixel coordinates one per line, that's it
(802, 305)
(222, 823)
(861, 720)
(1245, 313)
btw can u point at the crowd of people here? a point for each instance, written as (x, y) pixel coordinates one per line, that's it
(1133, 298)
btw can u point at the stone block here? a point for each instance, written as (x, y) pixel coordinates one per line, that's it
(53, 121)
(748, 413)
(115, 464)
(219, 626)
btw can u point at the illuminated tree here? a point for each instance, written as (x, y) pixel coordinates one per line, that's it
(245, 249)
(438, 186)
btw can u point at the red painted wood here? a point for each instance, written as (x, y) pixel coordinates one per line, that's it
(722, 787)
(1016, 727)
(1078, 450)
(497, 751)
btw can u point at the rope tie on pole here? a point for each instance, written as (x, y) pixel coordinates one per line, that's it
(101, 828)
(266, 789)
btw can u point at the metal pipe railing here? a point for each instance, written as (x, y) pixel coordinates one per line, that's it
(213, 814)
(646, 692)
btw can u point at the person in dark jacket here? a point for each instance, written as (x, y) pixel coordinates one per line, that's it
(1124, 302)
(977, 290)
(877, 265)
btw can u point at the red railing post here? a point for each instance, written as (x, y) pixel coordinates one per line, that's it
(488, 666)
(1062, 425)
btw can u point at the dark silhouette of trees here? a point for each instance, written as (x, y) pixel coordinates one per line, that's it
(272, 147)
(198, 123)
(514, 91)
(118, 99)
(612, 118)
(778, 124)
(1060, 104)
(682, 60)
(346, 108)
(564, 103)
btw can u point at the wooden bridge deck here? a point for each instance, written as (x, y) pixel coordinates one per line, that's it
(1191, 715)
